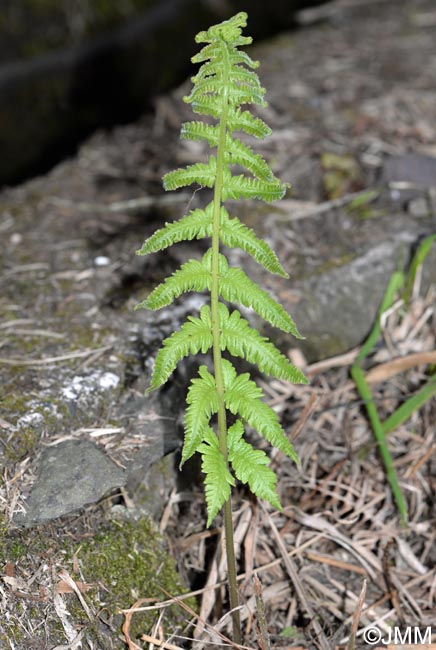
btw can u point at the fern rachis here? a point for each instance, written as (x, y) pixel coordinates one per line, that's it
(225, 81)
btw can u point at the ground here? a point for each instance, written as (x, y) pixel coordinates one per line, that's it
(356, 85)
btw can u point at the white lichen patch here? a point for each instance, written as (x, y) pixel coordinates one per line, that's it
(109, 380)
(36, 413)
(30, 419)
(80, 386)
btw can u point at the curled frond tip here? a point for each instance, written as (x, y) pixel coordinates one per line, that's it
(228, 30)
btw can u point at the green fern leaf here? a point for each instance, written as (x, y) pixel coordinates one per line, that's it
(244, 95)
(209, 69)
(240, 75)
(228, 31)
(250, 466)
(243, 341)
(236, 286)
(236, 57)
(241, 154)
(195, 225)
(203, 403)
(201, 173)
(239, 186)
(211, 85)
(225, 82)
(242, 396)
(206, 105)
(193, 337)
(192, 276)
(233, 233)
(238, 153)
(200, 131)
(244, 121)
(218, 480)
(241, 41)
(210, 51)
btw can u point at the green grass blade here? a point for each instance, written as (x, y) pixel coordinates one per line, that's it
(417, 261)
(408, 407)
(395, 284)
(391, 475)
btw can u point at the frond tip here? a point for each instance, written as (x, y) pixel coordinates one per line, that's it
(228, 30)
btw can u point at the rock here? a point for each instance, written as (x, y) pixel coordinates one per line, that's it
(412, 180)
(72, 474)
(66, 71)
(77, 473)
(338, 307)
(335, 291)
(413, 167)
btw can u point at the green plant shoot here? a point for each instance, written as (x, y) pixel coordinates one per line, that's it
(225, 82)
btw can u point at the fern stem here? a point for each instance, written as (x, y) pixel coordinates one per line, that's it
(216, 335)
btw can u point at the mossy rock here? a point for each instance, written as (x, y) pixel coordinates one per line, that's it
(127, 561)
(124, 562)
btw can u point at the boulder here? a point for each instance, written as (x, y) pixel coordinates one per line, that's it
(65, 72)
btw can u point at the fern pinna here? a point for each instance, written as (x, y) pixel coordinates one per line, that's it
(224, 83)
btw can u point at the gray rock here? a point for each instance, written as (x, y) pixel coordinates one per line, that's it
(93, 65)
(339, 269)
(412, 180)
(76, 473)
(413, 167)
(338, 307)
(72, 475)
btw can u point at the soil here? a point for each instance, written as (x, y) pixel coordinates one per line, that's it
(351, 87)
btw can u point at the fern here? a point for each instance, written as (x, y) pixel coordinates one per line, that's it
(225, 82)
(202, 402)
(234, 233)
(195, 336)
(242, 396)
(218, 480)
(192, 276)
(236, 285)
(201, 173)
(196, 225)
(243, 341)
(251, 466)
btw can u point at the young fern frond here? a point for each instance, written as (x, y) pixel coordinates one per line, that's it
(223, 85)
